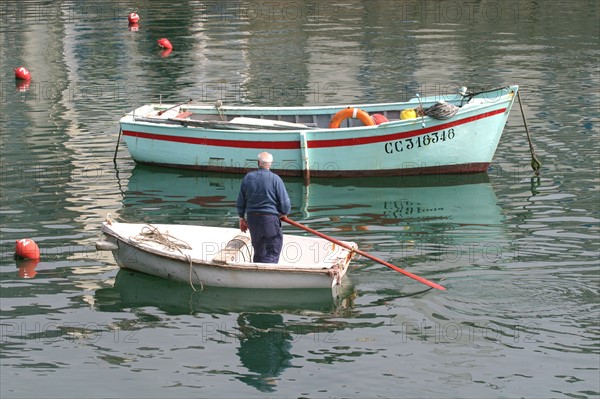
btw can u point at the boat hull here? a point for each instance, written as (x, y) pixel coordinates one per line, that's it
(465, 143)
(198, 267)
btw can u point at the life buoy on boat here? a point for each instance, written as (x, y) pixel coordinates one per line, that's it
(354, 113)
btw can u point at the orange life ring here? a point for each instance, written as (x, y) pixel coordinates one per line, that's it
(355, 113)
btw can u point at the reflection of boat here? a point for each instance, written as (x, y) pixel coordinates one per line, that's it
(137, 290)
(448, 201)
(457, 135)
(222, 257)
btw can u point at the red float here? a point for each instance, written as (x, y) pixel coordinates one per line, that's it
(379, 119)
(22, 73)
(27, 248)
(133, 18)
(165, 43)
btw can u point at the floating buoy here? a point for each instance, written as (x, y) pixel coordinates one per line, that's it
(27, 248)
(22, 73)
(165, 53)
(408, 113)
(133, 18)
(27, 267)
(165, 43)
(379, 119)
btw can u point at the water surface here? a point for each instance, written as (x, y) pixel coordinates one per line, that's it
(519, 255)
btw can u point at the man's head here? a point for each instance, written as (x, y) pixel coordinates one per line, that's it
(265, 160)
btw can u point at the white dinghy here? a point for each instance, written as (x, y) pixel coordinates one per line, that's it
(222, 257)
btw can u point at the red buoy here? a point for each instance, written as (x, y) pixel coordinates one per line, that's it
(22, 73)
(379, 119)
(165, 43)
(27, 248)
(133, 18)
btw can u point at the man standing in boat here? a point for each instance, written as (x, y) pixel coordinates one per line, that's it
(262, 200)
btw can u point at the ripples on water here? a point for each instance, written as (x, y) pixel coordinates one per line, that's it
(519, 256)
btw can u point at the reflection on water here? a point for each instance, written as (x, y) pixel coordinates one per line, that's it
(264, 349)
(516, 323)
(263, 337)
(137, 290)
(446, 203)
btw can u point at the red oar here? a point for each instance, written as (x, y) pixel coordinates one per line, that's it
(366, 255)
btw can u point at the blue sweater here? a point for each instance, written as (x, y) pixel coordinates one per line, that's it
(262, 191)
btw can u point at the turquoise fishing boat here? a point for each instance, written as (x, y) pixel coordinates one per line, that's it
(455, 134)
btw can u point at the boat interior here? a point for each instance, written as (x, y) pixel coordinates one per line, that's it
(293, 119)
(218, 116)
(224, 245)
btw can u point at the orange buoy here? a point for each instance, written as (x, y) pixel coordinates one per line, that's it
(27, 248)
(165, 43)
(379, 119)
(133, 18)
(22, 73)
(355, 113)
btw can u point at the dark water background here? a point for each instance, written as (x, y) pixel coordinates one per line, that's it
(519, 256)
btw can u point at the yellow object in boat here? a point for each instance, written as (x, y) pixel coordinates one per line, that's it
(408, 113)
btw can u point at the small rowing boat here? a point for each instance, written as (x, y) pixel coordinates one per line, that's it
(458, 133)
(222, 257)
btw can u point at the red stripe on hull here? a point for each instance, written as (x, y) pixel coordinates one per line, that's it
(278, 145)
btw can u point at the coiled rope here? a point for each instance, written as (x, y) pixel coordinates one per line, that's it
(151, 233)
(439, 110)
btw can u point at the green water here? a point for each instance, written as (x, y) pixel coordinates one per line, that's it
(519, 255)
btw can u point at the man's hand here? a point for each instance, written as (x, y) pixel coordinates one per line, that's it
(243, 225)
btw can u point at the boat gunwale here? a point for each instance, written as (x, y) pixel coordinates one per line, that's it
(312, 109)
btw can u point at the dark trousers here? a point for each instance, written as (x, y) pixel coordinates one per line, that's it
(267, 237)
